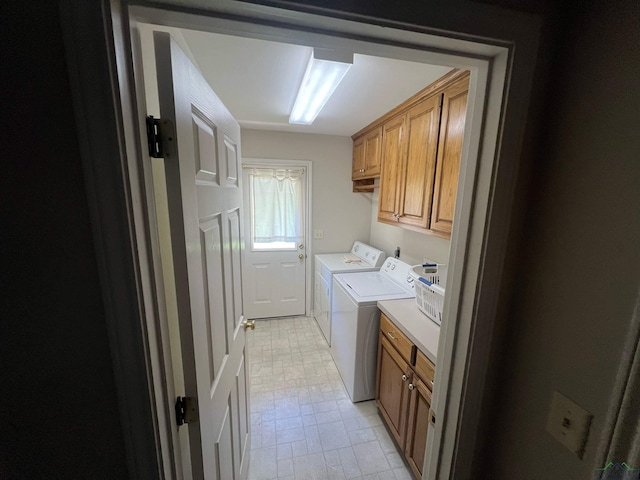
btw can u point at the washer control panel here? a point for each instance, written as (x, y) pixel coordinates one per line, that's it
(399, 272)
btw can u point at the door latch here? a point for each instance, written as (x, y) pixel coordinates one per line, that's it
(432, 417)
(186, 410)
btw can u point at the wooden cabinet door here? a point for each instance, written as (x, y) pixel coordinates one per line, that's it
(373, 153)
(454, 107)
(392, 394)
(357, 169)
(392, 173)
(417, 425)
(423, 121)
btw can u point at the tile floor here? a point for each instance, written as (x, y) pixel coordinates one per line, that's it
(304, 426)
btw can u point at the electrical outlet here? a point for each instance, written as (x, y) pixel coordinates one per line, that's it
(319, 233)
(569, 423)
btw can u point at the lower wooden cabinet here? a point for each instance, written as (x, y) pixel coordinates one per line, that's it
(392, 394)
(403, 394)
(417, 425)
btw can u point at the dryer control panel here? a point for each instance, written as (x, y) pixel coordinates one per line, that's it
(369, 254)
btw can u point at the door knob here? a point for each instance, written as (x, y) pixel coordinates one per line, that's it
(301, 256)
(249, 324)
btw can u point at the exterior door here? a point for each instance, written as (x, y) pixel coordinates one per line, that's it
(202, 162)
(275, 262)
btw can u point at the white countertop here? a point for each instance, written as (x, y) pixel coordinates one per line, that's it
(419, 328)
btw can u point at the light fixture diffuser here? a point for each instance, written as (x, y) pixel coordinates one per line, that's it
(325, 71)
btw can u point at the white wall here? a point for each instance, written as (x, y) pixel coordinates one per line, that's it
(414, 246)
(344, 216)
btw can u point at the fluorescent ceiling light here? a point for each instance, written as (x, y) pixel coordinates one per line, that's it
(325, 71)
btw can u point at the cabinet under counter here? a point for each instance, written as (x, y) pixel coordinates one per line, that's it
(407, 350)
(419, 329)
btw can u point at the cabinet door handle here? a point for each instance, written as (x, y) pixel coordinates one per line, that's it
(391, 336)
(411, 386)
(404, 378)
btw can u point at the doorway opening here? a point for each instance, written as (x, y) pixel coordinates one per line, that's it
(259, 267)
(481, 214)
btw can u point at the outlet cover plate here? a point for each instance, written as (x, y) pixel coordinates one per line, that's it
(569, 423)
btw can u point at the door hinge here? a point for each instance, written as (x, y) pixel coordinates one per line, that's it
(186, 410)
(154, 137)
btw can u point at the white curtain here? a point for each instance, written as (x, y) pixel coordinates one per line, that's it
(276, 204)
(620, 441)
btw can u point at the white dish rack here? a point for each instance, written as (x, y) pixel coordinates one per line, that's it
(430, 289)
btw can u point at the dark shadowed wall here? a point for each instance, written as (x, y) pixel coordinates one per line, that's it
(59, 416)
(579, 260)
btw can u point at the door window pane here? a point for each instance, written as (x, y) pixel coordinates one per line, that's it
(277, 217)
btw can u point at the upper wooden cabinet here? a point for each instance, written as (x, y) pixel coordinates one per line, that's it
(409, 147)
(393, 133)
(366, 155)
(358, 159)
(417, 147)
(454, 109)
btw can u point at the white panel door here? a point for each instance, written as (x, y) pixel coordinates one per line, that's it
(275, 255)
(202, 165)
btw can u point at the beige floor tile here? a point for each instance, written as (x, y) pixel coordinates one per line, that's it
(304, 426)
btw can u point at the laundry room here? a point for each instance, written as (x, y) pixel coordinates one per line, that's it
(338, 248)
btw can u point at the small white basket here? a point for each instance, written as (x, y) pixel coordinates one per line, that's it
(429, 295)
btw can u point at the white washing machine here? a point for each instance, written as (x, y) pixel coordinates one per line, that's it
(355, 322)
(361, 258)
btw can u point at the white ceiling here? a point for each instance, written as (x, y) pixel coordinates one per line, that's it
(258, 80)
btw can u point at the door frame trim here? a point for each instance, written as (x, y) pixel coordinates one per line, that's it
(308, 165)
(98, 52)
